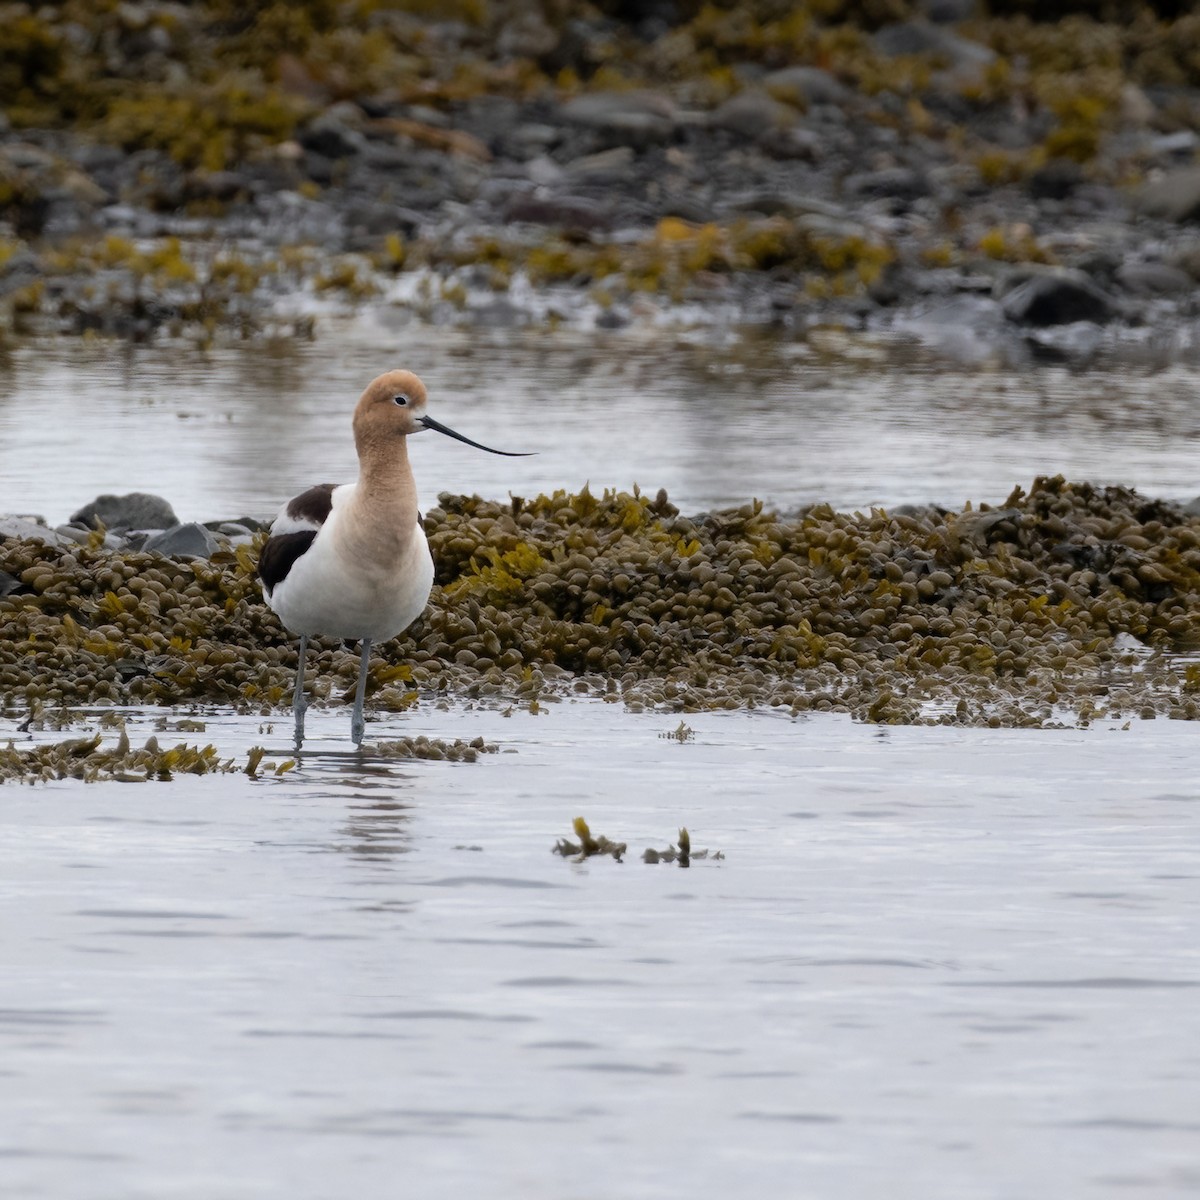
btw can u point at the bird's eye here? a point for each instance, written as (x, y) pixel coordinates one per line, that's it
(401, 399)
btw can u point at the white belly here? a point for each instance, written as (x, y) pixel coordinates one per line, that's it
(323, 594)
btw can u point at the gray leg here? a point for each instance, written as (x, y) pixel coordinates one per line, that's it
(356, 721)
(299, 704)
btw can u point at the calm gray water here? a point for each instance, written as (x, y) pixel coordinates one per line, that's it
(237, 431)
(934, 963)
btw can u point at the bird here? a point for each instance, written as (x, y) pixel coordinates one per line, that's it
(351, 560)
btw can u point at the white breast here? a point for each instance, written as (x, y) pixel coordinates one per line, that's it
(327, 592)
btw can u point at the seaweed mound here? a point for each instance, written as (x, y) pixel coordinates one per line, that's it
(1066, 599)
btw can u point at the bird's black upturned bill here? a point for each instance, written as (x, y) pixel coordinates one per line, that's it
(430, 423)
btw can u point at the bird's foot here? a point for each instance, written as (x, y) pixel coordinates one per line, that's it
(357, 729)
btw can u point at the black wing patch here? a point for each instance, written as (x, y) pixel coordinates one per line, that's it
(280, 554)
(314, 505)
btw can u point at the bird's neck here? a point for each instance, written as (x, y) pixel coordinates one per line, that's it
(380, 519)
(385, 480)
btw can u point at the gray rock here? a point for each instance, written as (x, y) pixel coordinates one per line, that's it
(688, 208)
(789, 204)
(8, 583)
(923, 37)
(612, 318)
(136, 510)
(793, 143)
(27, 530)
(22, 268)
(901, 182)
(527, 139)
(614, 163)
(1135, 107)
(806, 85)
(543, 170)
(1059, 298)
(1175, 196)
(564, 212)
(840, 228)
(497, 314)
(74, 533)
(1055, 180)
(1183, 141)
(192, 540)
(752, 114)
(329, 137)
(1075, 343)
(632, 118)
(1153, 279)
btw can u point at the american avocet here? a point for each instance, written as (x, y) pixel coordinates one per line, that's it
(351, 560)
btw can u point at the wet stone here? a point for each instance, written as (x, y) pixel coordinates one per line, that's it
(23, 527)
(191, 540)
(136, 510)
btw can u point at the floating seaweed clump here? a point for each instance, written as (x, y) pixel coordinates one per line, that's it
(256, 766)
(682, 732)
(87, 759)
(588, 845)
(681, 853)
(1019, 614)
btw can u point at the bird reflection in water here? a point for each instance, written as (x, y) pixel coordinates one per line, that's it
(376, 828)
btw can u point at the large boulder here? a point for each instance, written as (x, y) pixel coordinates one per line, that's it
(136, 510)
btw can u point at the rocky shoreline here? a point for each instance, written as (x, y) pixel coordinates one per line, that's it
(979, 182)
(1068, 603)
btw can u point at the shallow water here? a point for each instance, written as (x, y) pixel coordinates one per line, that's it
(934, 962)
(237, 431)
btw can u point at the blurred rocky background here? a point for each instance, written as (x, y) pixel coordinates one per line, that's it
(231, 168)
